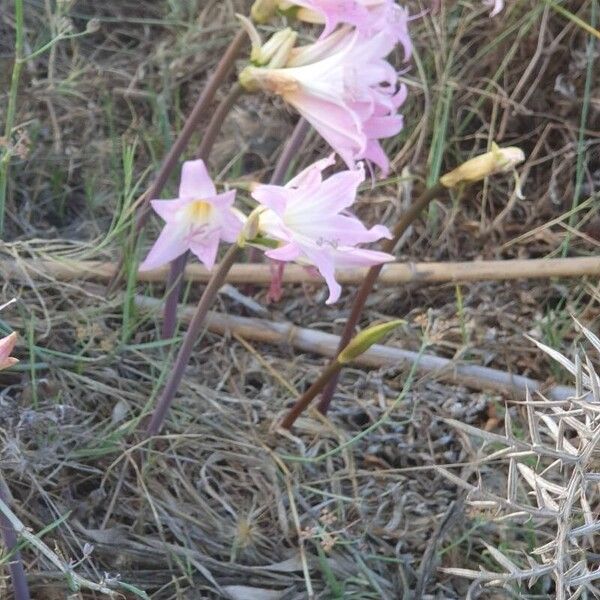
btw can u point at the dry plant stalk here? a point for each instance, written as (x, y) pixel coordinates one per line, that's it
(559, 492)
(260, 274)
(378, 356)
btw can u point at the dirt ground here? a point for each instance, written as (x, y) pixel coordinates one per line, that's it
(358, 505)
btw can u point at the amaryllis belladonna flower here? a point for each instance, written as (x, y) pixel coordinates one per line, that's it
(308, 219)
(195, 221)
(368, 16)
(344, 87)
(7, 345)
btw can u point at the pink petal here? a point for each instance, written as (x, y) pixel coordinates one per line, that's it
(286, 253)
(206, 248)
(384, 127)
(311, 176)
(375, 153)
(167, 209)
(7, 345)
(334, 194)
(324, 263)
(338, 124)
(231, 226)
(169, 245)
(348, 257)
(195, 181)
(337, 230)
(274, 197)
(222, 201)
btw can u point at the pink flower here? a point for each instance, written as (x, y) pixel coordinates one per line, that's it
(7, 345)
(345, 88)
(195, 221)
(368, 16)
(307, 217)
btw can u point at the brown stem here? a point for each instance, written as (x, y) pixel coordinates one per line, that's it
(366, 287)
(210, 292)
(290, 151)
(332, 369)
(173, 287)
(17, 572)
(219, 75)
(175, 280)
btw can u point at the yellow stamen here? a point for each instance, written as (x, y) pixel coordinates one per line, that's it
(199, 211)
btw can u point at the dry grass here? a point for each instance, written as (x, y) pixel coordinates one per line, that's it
(358, 506)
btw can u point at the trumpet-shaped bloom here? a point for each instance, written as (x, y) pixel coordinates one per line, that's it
(7, 345)
(345, 88)
(308, 219)
(195, 221)
(368, 16)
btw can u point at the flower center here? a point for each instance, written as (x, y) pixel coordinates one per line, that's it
(199, 211)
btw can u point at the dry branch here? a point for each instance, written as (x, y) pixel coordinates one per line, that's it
(260, 274)
(310, 340)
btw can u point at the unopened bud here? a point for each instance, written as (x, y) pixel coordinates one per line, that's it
(276, 51)
(251, 227)
(263, 11)
(497, 160)
(365, 339)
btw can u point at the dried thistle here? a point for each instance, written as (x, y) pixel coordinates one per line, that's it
(552, 482)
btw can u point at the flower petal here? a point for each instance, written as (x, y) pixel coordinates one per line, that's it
(168, 209)
(7, 345)
(338, 124)
(323, 261)
(376, 154)
(195, 181)
(274, 197)
(169, 245)
(205, 248)
(285, 253)
(311, 176)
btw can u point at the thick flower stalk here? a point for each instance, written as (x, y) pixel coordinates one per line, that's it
(343, 86)
(197, 220)
(307, 219)
(7, 345)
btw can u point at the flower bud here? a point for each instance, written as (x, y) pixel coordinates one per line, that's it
(263, 11)
(275, 52)
(365, 339)
(497, 160)
(251, 227)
